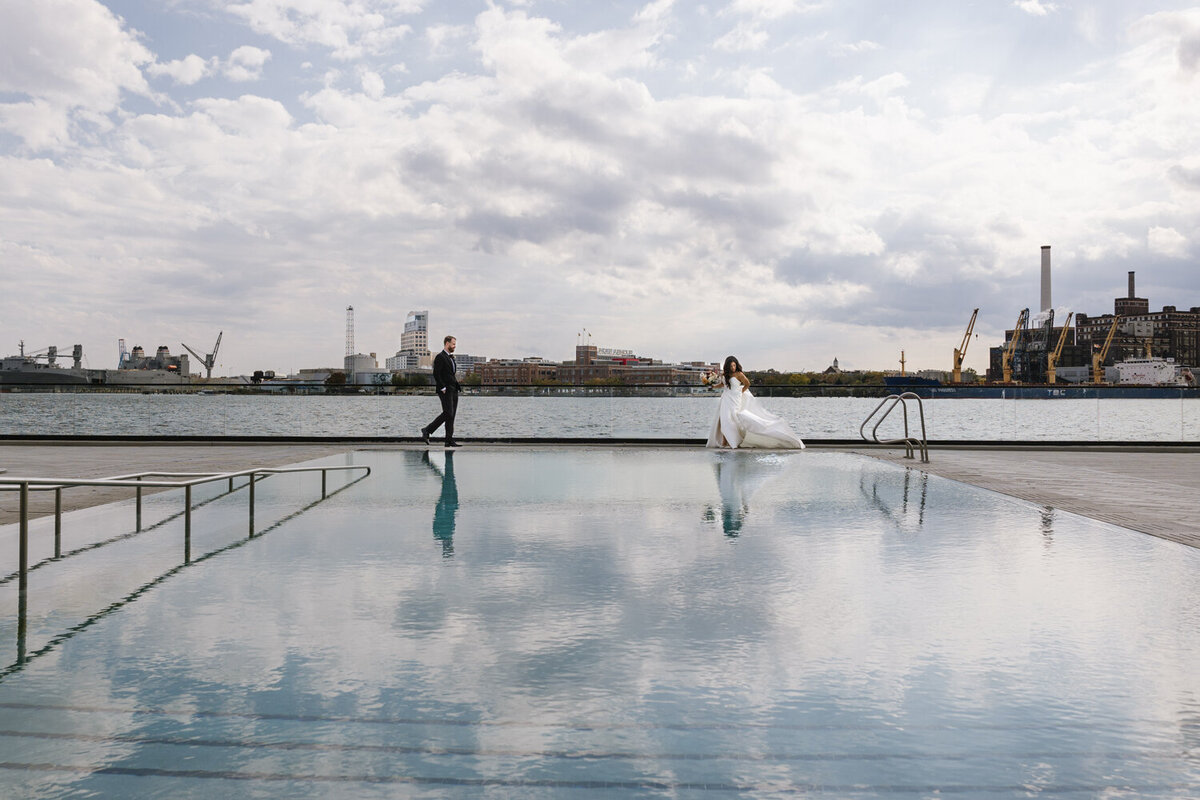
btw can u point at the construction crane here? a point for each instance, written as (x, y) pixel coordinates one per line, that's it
(1052, 358)
(1098, 357)
(210, 360)
(960, 352)
(1007, 358)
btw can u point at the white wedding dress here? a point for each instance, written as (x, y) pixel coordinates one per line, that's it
(743, 422)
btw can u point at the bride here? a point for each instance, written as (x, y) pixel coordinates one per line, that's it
(741, 419)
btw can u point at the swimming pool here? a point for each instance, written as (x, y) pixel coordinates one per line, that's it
(584, 622)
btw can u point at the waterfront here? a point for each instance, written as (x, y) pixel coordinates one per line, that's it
(86, 414)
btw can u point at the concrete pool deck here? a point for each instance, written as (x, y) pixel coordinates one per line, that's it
(1149, 490)
(1153, 490)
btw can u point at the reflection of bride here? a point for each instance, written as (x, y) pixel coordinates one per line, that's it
(742, 421)
(738, 477)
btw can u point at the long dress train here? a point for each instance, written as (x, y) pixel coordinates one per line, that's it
(742, 421)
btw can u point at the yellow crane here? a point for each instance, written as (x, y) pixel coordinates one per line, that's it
(1098, 358)
(1052, 359)
(960, 352)
(1006, 358)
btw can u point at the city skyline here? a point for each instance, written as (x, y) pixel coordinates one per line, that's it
(786, 180)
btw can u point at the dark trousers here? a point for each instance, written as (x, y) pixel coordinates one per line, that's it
(449, 400)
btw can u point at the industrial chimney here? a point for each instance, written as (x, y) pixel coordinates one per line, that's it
(1131, 305)
(1046, 304)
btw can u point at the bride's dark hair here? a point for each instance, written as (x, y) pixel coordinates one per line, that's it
(729, 372)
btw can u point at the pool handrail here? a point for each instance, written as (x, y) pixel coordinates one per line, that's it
(910, 442)
(137, 481)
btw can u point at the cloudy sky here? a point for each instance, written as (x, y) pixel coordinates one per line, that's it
(787, 180)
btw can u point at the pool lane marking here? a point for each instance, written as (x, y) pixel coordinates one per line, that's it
(567, 755)
(112, 608)
(551, 783)
(602, 726)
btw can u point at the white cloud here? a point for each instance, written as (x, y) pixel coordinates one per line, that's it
(1168, 242)
(246, 63)
(372, 84)
(186, 71)
(70, 61)
(1037, 8)
(744, 37)
(348, 28)
(853, 48)
(771, 9)
(444, 39)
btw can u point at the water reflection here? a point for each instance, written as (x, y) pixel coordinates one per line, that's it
(739, 475)
(1048, 523)
(446, 510)
(875, 488)
(57, 614)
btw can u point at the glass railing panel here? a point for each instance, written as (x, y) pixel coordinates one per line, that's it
(588, 412)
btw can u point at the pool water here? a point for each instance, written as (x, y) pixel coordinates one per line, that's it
(587, 622)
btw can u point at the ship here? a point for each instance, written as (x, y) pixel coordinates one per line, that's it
(41, 368)
(1148, 371)
(1064, 391)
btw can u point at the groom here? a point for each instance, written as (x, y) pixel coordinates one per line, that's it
(444, 370)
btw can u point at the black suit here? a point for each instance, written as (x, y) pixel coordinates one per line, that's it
(447, 392)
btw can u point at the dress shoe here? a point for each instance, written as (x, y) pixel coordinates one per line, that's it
(425, 436)
(452, 443)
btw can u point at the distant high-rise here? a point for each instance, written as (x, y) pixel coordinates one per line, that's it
(414, 343)
(415, 337)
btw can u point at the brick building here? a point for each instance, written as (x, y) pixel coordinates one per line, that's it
(511, 372)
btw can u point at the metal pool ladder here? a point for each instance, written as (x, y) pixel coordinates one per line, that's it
(910, 443)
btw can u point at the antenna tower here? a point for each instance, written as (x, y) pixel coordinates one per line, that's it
(349, 330)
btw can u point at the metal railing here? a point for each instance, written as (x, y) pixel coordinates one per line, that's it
(139, 481)
(911, 443)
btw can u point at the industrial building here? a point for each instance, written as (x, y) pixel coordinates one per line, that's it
(514, 372)
(1169, 333)
(1035, 345)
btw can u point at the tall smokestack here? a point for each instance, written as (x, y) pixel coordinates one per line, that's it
(1131, 294)
(1046, 304)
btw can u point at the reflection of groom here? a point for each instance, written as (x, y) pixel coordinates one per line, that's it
(447, 505)
(444, 376)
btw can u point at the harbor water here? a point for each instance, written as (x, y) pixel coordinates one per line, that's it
(104, 414)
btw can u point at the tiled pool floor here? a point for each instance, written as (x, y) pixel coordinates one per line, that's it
(562, 622)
